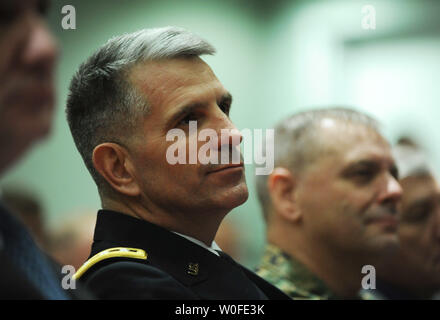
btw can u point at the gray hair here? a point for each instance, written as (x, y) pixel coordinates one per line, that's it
(297, 142)
(102, 106)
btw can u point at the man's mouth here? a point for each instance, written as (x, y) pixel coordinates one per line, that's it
(388, 220)
(238, 166)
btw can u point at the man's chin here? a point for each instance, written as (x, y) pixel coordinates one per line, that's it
(386, 244)
(234, 197)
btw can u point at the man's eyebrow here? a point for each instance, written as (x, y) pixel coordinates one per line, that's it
(187, 109)
(361, 163)
(420, 202)
(424, 200)
(370, 164)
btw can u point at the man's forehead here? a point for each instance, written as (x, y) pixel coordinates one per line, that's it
(159, 79)
(350, 142)
(417, 190)
(341, 129)
(419, 186)
(180, 70)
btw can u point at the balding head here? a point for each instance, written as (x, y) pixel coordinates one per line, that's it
(301, 139)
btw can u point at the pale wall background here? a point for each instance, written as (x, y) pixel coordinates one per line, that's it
(276, 57)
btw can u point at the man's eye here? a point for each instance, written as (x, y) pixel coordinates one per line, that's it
(225, 107)
(395, 173)
(363, 175)
(419, 213)
(187, 119)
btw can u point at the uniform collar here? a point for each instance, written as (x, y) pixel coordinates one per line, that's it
(285, 267)
(212, 248)
(171, 252)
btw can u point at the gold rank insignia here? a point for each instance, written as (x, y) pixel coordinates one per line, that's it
(118, 252)
(193, 269)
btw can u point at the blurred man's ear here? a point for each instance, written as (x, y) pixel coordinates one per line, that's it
(113, 163)
(281, 185)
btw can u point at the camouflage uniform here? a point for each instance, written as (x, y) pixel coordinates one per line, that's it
(292, 277)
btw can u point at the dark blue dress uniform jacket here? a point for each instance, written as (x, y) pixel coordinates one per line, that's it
(175, 268)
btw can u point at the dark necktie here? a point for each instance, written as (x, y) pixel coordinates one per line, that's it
(22, 251)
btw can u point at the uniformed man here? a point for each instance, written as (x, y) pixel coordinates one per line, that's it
(27, 59)
(329, 204)
(28, 53)
(154, 237)
(414, 272)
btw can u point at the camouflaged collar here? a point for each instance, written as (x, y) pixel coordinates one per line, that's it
(291, 276)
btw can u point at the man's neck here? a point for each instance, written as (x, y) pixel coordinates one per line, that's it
(202, 227)
(342, 277)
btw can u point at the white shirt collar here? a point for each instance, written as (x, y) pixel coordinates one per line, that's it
(212, 249)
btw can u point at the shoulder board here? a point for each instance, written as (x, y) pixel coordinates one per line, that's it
(119, 252)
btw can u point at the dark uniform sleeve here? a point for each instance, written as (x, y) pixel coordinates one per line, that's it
(134, 280)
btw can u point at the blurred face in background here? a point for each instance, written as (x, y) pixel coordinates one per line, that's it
(419, 230)
(27, 59)
(349, 193)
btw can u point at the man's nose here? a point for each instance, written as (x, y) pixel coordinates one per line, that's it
(392, 191)
(229, 135)
(41, 49)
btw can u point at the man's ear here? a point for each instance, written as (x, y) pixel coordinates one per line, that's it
(281, 185)
(113, 163)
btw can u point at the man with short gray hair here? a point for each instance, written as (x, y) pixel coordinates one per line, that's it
(329, 204)
(154, 237)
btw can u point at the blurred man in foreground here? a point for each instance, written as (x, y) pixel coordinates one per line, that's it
(330, 204)
(154, 237)
(27, 59)
(414, 273)
(27, 206)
